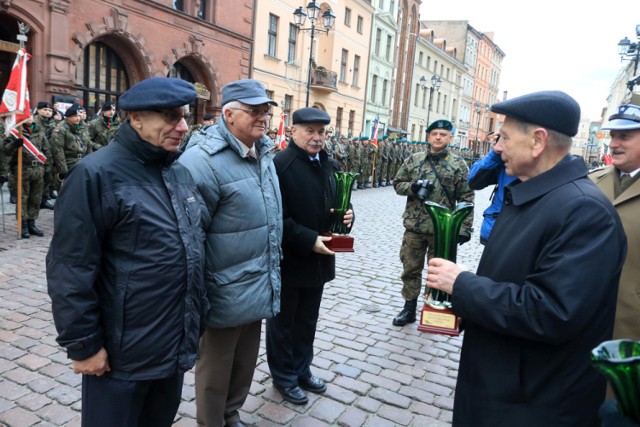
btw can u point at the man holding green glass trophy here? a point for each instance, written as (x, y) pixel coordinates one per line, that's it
(316, 214)
(433, 175)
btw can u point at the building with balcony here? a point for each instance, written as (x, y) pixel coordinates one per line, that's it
(92, 51)
(331, 73)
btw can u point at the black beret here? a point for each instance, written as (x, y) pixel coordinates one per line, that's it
(73, 110)
(207, 117)
(310, 115)
(551, 109)
(108, 106)
(247, 91)
(440, 124)
(158, 93)
(43, 105)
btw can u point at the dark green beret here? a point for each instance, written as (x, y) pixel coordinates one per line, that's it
(440, 124)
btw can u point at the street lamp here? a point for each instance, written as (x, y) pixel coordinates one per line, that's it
(313, 12)
(436, 82)
(631, 52)
(478, 108)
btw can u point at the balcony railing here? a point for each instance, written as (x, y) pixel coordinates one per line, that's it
(322, 78)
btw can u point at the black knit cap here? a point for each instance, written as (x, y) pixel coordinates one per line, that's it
(551, 109)
(43, 105)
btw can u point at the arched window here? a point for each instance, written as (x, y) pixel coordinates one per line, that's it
(101, 77)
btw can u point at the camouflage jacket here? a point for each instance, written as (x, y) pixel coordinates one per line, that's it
(68, 146)
(453, 171)
(101, 133)
(37, 135)
(354, 154)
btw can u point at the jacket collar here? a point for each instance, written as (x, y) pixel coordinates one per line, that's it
(144, 151)
(570, 168)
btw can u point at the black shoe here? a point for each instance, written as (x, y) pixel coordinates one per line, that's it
(293, 394)
(33, 228)
(313, 384)
(408, 313)
(24, 231)
(46, 204)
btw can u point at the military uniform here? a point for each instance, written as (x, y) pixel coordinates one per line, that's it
(48, 124)
(418, 238)
(355, 159)
(68, 146)
(101, 130)
(32, 176)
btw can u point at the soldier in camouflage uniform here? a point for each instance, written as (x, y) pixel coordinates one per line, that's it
(340, 152)
(451, 187)
(44, 120)
(102, 128)
(32, 174)
(84, 131)
(68, 146)
(355, 160)
(366, 159)
(384, 152)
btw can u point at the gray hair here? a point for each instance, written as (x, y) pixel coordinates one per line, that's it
(231, 105)
(559, 140)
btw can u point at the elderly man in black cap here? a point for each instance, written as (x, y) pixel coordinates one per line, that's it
(544, 295)
(305, 172)
(102, 128)
(232, 164)
(125, 265)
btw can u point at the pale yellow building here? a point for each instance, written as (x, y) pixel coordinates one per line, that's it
(338, 72)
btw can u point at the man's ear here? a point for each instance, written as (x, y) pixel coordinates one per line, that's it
(539, 142)
(135, 118)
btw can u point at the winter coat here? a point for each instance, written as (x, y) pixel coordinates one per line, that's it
(125, 265)
(544, 296)
(243, 224)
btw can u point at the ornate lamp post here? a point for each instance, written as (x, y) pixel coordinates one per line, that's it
(631, 52)
(478, 109)
(313, 12)
(436, 82)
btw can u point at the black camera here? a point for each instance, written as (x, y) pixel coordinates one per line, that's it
(422, 188)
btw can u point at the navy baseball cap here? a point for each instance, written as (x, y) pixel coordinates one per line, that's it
(158, 93)
(627, 118)
(247, 91)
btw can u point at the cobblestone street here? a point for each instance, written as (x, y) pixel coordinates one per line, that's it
(377, 374)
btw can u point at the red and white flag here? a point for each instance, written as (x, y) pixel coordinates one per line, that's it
(374, 132)
(15, 108)
(28, 145)
(281, 141)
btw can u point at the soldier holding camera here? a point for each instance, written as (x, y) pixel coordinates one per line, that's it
(436, 175)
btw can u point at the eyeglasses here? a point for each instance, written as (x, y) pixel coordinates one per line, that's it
(255, 112)
(173, 117)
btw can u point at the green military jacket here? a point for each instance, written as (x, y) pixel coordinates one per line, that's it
(453, 171)
(68, 146)
(101, 131)
(354, 154)
(37, 136)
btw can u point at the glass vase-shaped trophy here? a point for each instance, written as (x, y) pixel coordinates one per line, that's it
(437, 316)
(339, 232)
(619, 362)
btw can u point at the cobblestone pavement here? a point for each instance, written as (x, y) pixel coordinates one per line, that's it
(378, 374)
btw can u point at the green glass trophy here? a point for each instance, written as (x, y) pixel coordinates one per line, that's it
(339, 232)
(619, 362)
(437, 316)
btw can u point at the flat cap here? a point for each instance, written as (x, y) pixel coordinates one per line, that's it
(551, 109)
(247, 91)
(310, 115)
(440, 124)
(73, 110)
(43, 105)
(158, 93)
(627, 118)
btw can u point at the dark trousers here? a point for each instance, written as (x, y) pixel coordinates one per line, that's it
(107, 402)
(290, 335)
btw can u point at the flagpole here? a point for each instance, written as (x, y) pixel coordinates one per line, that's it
(22, 39)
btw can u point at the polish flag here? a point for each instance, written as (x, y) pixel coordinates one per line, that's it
(15, 108)
(28, 145)
(374, 132)
(281, 142)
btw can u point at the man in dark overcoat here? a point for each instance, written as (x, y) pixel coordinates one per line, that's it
(544, 295)
(305, 172)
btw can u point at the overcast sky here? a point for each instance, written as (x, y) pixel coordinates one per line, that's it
(551, 44)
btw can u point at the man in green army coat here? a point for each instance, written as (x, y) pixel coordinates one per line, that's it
(377, 163)
(366, 159)
(44, 120)
(417, 179)
(102, 128)
(68, 145)
(32, 174)
(355, 160)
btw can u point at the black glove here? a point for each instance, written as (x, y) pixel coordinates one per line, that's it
(16, 143)
(463, 238)
(62, 175)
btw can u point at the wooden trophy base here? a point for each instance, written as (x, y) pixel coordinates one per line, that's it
(439, 321)
(339, 243)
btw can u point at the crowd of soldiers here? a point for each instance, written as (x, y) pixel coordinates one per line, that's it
(63, 139)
